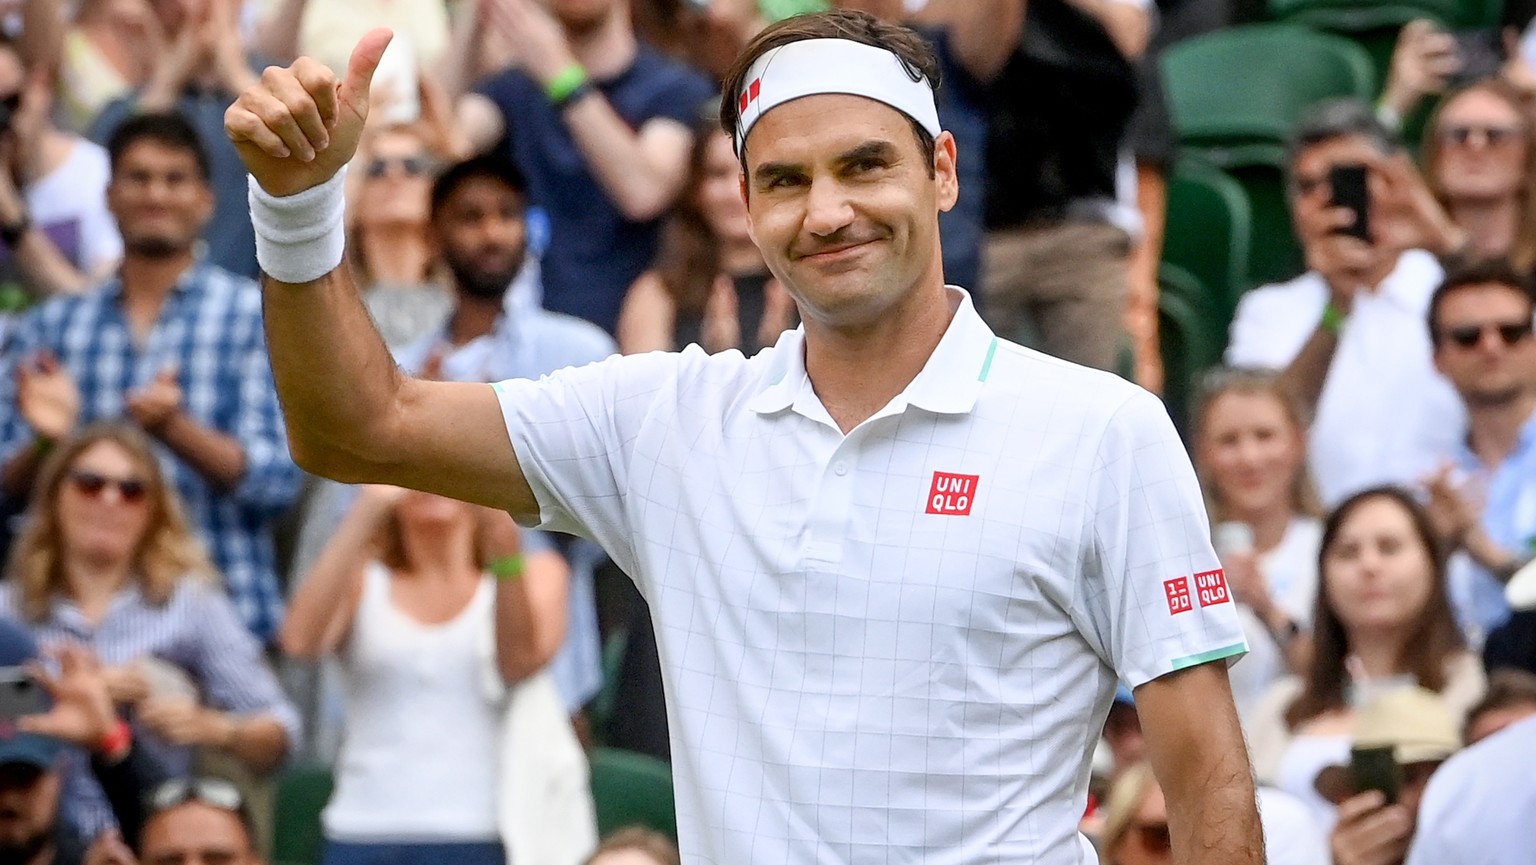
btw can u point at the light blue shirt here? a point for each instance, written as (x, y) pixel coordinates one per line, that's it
(1509, 518)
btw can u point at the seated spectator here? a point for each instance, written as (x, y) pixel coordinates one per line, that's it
(197, 75)
(194, 820)
(327, 31)
(1477, 809)
(1349, 332)
(601, 126)
(1382, 618)
(1480, 324)
(110, 48)
(1136, 825)
(403, 594)
(1251, 455)
(636, 845)
(710, 285)
(106, 560)
(59, 236)
(390, 188)
(1373, 829)
(1511, 697)
(1424, 62)
(175, 344)
(1479, 158)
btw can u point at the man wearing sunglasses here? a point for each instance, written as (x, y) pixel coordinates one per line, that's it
(191, 821)
(1484, 496)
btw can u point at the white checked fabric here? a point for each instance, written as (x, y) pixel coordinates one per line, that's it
(852, 676)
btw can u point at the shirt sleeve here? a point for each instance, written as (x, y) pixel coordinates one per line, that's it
(229, 664)
(272, 481)
(574, 434)
(22, 342)
(1153, 595)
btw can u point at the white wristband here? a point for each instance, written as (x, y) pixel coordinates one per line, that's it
(300, 237)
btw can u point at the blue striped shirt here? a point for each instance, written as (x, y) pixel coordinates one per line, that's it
(210, 329)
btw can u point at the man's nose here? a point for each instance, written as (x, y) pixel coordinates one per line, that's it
(827, 209)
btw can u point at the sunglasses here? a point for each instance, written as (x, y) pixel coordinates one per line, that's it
(413, 166)
(1153, 837)
(92, 484)
(1494, 136)
(214, 792)
(1471, 335)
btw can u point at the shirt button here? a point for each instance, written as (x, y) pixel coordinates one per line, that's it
(840, 469)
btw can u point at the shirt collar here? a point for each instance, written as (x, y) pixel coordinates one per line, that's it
(949, 383)
(1470, 460)
(188, 280)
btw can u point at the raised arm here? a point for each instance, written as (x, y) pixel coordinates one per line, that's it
(321, 613)
(983, 33)
(1197, 752)
(351, 414)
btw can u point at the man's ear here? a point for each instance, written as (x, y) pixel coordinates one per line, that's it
(946, 170)
(746, 198)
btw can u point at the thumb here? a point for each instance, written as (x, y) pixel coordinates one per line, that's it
(364, 62)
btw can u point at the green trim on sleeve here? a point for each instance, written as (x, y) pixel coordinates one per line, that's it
(1188, 661)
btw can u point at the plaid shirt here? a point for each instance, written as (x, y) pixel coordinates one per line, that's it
(210, 329)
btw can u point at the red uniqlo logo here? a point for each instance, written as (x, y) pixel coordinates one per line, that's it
(1211, 587)
(1179, 600)
(952, 495)
(750, 94)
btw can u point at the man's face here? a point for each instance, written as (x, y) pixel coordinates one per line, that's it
(583, 16)
(841, 204)
(159, 199)
(196, 834)
(1473, 347)
(29, 807)
(1310, 194)
(482, 232)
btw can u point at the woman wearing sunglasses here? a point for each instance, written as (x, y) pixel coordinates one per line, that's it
(106, 560)
(423, 599)
(1479, 156)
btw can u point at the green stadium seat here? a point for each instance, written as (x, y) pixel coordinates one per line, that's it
(1359, 16)
(600, 710)
(630, 788)
(302, 792)
(1209, 228)
(1191, 338)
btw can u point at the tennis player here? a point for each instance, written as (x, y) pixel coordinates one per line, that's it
(896, 563)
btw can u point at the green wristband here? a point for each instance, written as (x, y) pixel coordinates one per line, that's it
(1333, 319)
(565, 83)
(506, 567)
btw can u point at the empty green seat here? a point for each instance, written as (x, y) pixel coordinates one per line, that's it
(1358, 16)
(630, 788)
(302, 792)
(1191, 338)
(1208, 231)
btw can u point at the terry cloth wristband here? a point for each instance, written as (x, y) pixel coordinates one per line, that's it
(300, 237)
(506, 567)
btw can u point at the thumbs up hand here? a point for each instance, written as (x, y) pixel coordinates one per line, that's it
(153, 405)
(296, 127)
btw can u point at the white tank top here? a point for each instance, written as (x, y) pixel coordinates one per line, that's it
(418, 757)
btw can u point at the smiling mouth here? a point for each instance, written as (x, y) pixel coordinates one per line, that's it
(835, 251)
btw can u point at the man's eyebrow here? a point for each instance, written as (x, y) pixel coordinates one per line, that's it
(878, 149)
(769, 171)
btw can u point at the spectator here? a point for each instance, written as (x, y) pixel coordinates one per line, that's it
(1477, 809)
(1479, 155)
(1122, 732)
(32, 770)
(1250, 454)
(1480, 323)
(175, 344)
(106, 560)
(59, 236)
(327, 31)
(110, 48)
(1511, 697)
(198, 821)
(710, 285)
(636, 845)
(402, 594)
(1424, 62)
(1055, 263)
(197, 74)
(1372, 829)
(599, 123)
(1382, 617)
(1349, 332)
(1136, 825)
(390, 240)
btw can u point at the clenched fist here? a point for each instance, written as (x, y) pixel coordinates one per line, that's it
(296, 127)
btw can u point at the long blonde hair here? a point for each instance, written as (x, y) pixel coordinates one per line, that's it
(166, 554)
(1218, 383)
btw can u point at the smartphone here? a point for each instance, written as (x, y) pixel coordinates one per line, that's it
(1482, 55)
(20, 694)
(1348, 185)
(1376, 769)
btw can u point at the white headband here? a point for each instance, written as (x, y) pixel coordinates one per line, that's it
(816, 66)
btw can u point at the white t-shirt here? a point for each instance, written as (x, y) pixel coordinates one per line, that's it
(70, 205)
(1291, 572)
(1385, 415)
(897, 645)
(1479, 807)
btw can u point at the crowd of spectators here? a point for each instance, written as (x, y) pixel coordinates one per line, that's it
(544, 183)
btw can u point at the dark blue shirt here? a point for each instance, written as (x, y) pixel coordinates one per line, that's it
(594, 253)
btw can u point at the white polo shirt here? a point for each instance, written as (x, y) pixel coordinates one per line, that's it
(1479, 806)
(1385, 414)
(897, 645)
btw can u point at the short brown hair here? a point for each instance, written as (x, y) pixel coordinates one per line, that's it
(910, 48)
(1508, 687)
(657, 846)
